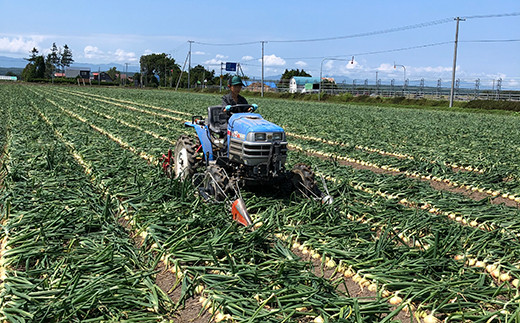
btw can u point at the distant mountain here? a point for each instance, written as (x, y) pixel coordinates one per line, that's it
(21, 63)
(12, 62)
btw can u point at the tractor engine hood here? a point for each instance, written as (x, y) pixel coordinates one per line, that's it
(240, 124)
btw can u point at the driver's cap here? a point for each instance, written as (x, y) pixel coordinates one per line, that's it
(236, 80)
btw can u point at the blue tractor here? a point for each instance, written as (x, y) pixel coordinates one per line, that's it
(234, 150)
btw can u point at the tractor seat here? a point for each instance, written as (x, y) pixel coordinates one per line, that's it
(217, 120)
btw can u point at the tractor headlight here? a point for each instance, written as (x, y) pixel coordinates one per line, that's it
(277, 136)
(260, 136)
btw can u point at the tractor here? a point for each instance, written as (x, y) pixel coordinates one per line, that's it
(236, 150)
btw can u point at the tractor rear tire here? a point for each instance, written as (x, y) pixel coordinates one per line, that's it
(304, 182)
(216, 184)
(185, 158)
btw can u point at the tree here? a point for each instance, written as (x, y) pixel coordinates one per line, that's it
(53, 61)
(113, 73)
(157, 68)
(34, 54)
(35, 68)
(199, 74)
(66, 57)
(288, 74)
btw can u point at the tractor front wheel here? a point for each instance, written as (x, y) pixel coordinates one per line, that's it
(185, 158)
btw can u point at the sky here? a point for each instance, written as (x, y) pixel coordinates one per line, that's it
(360, 40)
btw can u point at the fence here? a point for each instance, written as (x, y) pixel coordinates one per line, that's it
(464, 91)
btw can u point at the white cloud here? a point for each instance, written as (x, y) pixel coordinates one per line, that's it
(18, 45)
(92, 52)
(216, 61)
(199, 53)
(120, 55)
(431, 69)
(300, 63)
(329, 65)
(247, 58)
(148, 52)
(273, 60)
(385, 68)
(124, 56)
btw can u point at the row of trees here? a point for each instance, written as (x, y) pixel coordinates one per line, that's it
(156, 70)
(40, 67)
(162, 70)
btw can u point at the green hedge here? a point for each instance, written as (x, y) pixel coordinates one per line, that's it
(493, 105)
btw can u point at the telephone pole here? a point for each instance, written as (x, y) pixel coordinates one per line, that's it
(189, 62)
(262, 85)
(452, 92)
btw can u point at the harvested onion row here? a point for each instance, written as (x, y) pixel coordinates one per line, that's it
(151, 159)
(129, 125)
(381, 152)
(407, 173)
(96, 97)
(132, 108)
(348, 273)
(464, 220)
(491, 268)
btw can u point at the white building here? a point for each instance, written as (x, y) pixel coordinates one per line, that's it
(303, 84)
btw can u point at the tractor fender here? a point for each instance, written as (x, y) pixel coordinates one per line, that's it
(204, 139)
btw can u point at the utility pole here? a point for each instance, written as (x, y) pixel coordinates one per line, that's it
(126, 73)
(262, 88)
(221, 63)
(452, 93)
(189, 63)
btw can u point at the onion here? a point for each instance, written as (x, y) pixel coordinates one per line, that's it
(318, 319)
(395, 300)
(515, 282)
(505, 277)
(480, 264)
(490, 268)
(349, 272)
(430, 319)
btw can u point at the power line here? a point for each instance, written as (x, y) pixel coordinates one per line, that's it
(374, 52)
(229, 44)
(512, 14)
(385, 31)
(490, 41)
(379, 32)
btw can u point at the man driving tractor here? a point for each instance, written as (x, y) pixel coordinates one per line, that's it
(233, 98)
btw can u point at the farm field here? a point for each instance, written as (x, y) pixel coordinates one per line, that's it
(425, 225)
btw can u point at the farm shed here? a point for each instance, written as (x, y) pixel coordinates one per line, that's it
(298, 83)
(82, 73)
(103, 77)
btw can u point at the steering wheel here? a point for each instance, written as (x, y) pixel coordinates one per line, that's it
(240, 108)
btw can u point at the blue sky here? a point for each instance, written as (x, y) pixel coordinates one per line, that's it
(121, 31)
